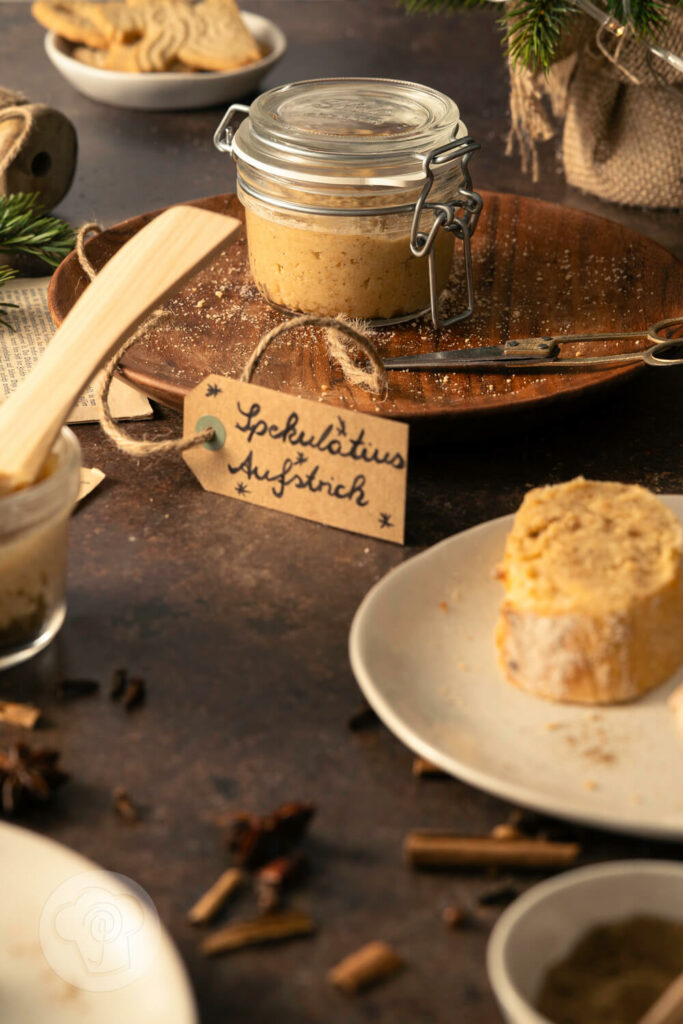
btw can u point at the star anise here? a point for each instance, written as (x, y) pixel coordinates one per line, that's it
(28, 775)
(256, 840)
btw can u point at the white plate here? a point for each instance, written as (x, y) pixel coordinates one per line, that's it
(430, 672)
(80, 944)
(169, 90)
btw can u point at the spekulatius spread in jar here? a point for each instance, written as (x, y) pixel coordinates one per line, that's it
(354, 191)
(33, 552)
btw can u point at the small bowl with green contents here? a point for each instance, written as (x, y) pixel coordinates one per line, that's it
(34, 524)
(597, 945)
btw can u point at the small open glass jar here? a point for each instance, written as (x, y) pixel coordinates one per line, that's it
(33, 554)
(354, 191)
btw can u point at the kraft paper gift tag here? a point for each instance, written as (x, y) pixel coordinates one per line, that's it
(334, 466)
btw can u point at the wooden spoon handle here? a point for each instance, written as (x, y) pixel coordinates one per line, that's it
(155, 262)
(668, 1009)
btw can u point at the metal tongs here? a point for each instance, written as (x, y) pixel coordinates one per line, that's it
(666, 339)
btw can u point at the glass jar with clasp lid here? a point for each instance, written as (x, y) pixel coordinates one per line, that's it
(355, 190)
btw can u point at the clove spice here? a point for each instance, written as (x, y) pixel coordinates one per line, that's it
(73, 689)
(454, 917)
(124, 807)
(363, 718)
(134, 694)
(118, 684)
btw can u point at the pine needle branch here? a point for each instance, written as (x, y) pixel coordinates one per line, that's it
(647, 16)
(6, 274)
(533, 30)
(533, 27)
(26, 229)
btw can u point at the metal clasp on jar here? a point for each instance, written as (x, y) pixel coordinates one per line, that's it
(462, 226)
(225, 133)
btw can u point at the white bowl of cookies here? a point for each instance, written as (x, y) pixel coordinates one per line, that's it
(159, 54)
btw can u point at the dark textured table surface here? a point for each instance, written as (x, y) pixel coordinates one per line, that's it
(238, 617)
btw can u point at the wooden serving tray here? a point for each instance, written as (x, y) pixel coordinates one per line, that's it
(538, 269)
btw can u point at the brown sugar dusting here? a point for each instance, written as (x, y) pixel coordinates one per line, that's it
(587, 738)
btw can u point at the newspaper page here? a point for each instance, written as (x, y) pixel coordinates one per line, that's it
(32, 329)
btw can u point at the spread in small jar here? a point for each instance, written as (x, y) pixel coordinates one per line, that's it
(615, 973)
(33, 553)
(330, 172)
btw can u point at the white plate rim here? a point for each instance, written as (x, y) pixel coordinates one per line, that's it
(81, 863)
(573, 810)
(259, 23)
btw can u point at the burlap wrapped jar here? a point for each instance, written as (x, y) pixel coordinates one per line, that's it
(622, 109)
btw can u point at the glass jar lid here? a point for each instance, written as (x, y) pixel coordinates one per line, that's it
(347, 131)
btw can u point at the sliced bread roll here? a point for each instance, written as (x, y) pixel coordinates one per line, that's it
(593, 605)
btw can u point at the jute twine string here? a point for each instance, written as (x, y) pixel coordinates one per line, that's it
(128, 444)
(13, 105)
(376, 381)
(341, 336)
(88, 229)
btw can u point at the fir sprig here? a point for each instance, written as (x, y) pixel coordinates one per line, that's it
(533, 30)
(646, 15)
(6, 274)
(27, 230)
(533, 27)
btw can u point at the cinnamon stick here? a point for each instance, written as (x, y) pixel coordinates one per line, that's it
(25, 715)
(434, 849)
(266, 928)
(371, 963)
(208, 905)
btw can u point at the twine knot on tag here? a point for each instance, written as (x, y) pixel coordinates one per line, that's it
(342, 336)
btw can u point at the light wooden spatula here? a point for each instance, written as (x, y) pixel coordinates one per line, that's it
(154, 263)
(668, 1009)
